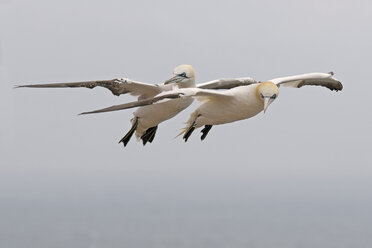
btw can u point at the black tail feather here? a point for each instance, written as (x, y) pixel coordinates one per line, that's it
(205, 131)
(190, 130)
(153, 134)
(149, 135)
(188, 133)
(127, 137)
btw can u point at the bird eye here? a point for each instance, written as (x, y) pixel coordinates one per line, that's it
(273, 96)
(183, 74)
(262, 96)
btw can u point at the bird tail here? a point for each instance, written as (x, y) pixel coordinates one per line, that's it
(127, 137)
(149, 135)
(190, 126)
(184, 130)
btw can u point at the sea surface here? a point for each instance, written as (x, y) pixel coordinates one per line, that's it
(202, 223)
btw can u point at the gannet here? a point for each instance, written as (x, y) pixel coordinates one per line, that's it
(146, 119)
(234, 104)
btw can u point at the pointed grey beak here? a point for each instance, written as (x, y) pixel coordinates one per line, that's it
(174, 79)
(267, 102)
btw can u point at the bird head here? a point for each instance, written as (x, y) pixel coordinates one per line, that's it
(267, 92)
(183, 76)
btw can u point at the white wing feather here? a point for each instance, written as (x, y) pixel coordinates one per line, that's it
(226, 83)
(200, 94)
(317, 79)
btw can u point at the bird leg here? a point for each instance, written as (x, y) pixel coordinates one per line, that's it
(127, 137)
(205, 131)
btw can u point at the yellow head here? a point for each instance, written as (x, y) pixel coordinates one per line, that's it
(267, 92)
(183, 75)
(187, 69)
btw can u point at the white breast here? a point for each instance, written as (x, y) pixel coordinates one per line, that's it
(152, 115)
(243, 103)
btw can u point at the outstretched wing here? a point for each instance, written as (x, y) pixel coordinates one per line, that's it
(226, 83)
(116, 86)
(135, 104)
(179, 93)
(318, 79)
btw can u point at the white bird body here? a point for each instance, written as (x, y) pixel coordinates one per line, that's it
(151, 115)
(246, 101)
(231, 105)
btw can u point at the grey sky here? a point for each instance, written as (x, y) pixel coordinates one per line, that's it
(298, 176)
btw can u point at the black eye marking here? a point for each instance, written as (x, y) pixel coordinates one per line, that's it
(262, 96)
(273, 96)
(183, 74)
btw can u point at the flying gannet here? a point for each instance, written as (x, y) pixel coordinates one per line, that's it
(233, 104)
(147, 118)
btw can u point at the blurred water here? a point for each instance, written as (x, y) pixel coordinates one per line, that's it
(223, 215)
(92, 226)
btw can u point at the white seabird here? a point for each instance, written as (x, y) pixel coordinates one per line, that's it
(234, 104)
(147, 118)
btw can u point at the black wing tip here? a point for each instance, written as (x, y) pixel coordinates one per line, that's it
(86, 113)
(337, 87)
(90, 112)
(31, 86)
